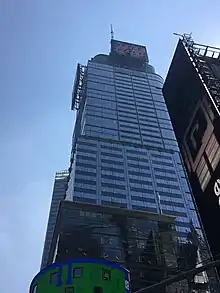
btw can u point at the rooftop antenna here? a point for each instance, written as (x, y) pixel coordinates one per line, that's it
(112, 33)
(187, 37)
(176, 34)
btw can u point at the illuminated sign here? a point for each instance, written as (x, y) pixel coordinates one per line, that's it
(217, 189)
(129, 50)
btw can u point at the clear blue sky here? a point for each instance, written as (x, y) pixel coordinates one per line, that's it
(41, 41)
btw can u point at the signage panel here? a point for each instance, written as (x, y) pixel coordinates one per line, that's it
(129, 50)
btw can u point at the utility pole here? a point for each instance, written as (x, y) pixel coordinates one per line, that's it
(180, 277)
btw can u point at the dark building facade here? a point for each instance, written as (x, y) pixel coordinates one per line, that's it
(144, 243)
(126, 176)
(192, 95)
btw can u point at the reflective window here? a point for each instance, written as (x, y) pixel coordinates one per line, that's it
(85, 181)
(138, 165)
(85, 199)
(114, 194)
(171, 203)
(128, 106)
(86, 150)
(151, 132)
(112, 185)
(77, 272)
(162, 163)
(147, 138)
(162, 114)
(113, 170)
(112, 177)
(146, 181)
(101, 79)
(85, 165)
(54, 278)
(170, 194)
(138, 152)
(160, 155)
(114, 204)
(86, 143)
(86, 173)
(99, 72)
(174, 213)
(83, 157)
(141, 189)
(100, 86)
(106, 274)
(127, 119)
(168, 186)
(143, 208)
(137, 158)
(111, 162)
(143, 199)
(123, 90)
(124, 130)
(84, 190)
(166, 178)
(111, 155)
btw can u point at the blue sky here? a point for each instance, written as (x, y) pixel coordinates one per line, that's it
(41, 41)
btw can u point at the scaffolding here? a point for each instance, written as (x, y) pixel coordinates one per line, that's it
(204, 57)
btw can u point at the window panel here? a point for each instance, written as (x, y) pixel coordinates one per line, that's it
(114, 204)
(77, 273)
(86, 143)
(112, 162)
(158, 97)
(113, 155)
(86, 158)
(84, 199)
(112, 177)
(100, 72)
(143, 208)
(54, 278)
(113, 194)
(168, 134)
(113, 185)
(162, 114)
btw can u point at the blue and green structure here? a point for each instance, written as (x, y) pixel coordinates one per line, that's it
(82, 276)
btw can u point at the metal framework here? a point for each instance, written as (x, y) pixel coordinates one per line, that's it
(157, 287)
(77, 88)
(200, 55)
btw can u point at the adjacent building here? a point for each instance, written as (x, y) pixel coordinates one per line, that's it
(59, 193)
(192, 94)
(127, 182)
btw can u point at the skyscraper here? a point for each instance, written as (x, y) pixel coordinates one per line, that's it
(192, 94)
(59, 193)
(125, 156)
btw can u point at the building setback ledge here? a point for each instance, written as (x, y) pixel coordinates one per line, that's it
(117, 211)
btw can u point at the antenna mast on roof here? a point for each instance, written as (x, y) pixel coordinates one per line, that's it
(112, 33)
(185, 37)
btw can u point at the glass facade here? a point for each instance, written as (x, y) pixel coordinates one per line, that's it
(144, 243)
(125, 155)
(59, 191)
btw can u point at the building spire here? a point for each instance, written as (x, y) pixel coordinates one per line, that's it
(112, 33)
